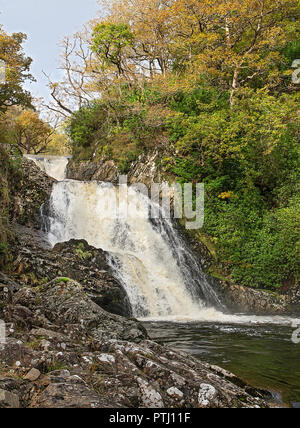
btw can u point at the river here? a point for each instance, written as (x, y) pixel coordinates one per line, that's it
(262, 355)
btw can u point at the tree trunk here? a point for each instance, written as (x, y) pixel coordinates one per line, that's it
(234, 86)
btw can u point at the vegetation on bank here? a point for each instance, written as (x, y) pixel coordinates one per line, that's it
(209, 86)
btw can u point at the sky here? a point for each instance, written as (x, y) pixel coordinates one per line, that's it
(45, 22)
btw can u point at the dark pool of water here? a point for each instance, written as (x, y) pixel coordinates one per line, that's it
(262, 355)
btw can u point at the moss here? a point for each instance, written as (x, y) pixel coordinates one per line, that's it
(56, 365)
(216, 274)
(34, 345)
(83, 255)
(10, 171)
(62, 280)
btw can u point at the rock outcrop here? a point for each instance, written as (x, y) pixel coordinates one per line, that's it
(248, 300)
(36, 263)
(101, 170)
(33, 190)
(144, 170)
(64, 351)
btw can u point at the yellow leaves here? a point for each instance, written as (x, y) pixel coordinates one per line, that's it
(227, 195)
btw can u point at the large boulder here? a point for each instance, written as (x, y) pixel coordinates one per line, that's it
(64, 302)
(36, 263)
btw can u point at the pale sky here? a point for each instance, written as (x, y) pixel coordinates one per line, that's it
(45, 22)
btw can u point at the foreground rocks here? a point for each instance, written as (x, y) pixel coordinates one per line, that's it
(64, 347)
(64, 351)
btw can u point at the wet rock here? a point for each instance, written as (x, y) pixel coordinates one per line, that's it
(238, 298)
(294, 299)
(65, 302)
(102, 170)
(144, 170)
(33, 190)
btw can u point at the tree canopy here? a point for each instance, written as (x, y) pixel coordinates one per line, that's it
(17, 71)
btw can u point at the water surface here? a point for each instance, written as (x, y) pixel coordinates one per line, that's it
(262, 355)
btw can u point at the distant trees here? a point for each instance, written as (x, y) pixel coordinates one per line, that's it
(237, 43)
(31, 134)
(24, 130)
(109, 44)
(79, 76)
(231, 43)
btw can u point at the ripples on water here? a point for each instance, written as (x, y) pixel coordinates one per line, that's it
(262, 355)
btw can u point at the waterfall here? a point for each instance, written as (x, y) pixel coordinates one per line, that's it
(54, 166)
(161, 277)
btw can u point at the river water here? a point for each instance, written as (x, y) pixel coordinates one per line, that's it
(263, 355)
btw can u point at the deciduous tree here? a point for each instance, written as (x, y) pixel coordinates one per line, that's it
(17, 67)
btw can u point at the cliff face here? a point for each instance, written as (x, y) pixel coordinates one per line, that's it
(29, 194)
(145, 170)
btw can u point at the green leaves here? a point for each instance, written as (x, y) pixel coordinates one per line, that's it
(17, 71)
(109, 42)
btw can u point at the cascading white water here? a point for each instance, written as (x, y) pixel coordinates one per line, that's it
(149, 259)
(161, 277)
(54, 166)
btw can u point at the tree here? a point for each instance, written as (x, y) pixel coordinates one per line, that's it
(75, 89)
(235, 42)
(151, 23)
(17, 67)
(31, 134)
(110, 42)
